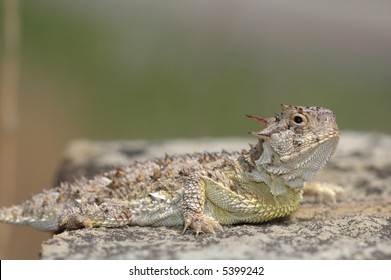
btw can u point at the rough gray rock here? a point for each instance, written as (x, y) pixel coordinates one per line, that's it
(358, 227)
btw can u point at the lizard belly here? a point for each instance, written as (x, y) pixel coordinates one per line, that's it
(257, 204)
(159, 214)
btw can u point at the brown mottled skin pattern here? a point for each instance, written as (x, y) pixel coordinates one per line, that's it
(201, 191)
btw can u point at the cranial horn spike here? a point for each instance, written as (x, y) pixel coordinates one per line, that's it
(260, 119)
(260, 134)
(285, 106)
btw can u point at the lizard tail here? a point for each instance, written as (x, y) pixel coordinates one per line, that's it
(65, 208)
(15, 215)
(30, 213)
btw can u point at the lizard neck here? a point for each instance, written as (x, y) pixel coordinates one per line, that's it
(268, 167)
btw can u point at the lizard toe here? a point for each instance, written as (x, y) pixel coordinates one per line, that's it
(201, 223)
(324, 192)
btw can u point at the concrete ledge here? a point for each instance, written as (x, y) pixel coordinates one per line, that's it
(358, 227)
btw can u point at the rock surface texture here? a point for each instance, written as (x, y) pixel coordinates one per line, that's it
(357, 227)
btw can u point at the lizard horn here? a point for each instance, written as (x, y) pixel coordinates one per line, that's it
(259, 134)
(260, 119)
(285, 106)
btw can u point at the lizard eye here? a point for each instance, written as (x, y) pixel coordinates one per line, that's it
(298, 119)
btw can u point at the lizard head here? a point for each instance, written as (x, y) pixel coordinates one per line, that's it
(297, 137)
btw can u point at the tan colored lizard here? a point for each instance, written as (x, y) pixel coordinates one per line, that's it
(201, 191)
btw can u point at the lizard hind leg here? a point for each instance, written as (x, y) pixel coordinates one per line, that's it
(108, 213)
(193, 208)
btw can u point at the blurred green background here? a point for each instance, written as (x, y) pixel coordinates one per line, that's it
(166, 69)
(153, 69)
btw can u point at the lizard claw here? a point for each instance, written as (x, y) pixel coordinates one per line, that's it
(201, 223)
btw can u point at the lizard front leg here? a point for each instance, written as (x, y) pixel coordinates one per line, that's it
(323, 192)
(193, 208)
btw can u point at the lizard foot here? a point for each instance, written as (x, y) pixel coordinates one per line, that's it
(109, 213)
(201, 223)
(323, 192)
(75, 221)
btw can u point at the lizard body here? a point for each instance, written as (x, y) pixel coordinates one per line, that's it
(201, 191)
